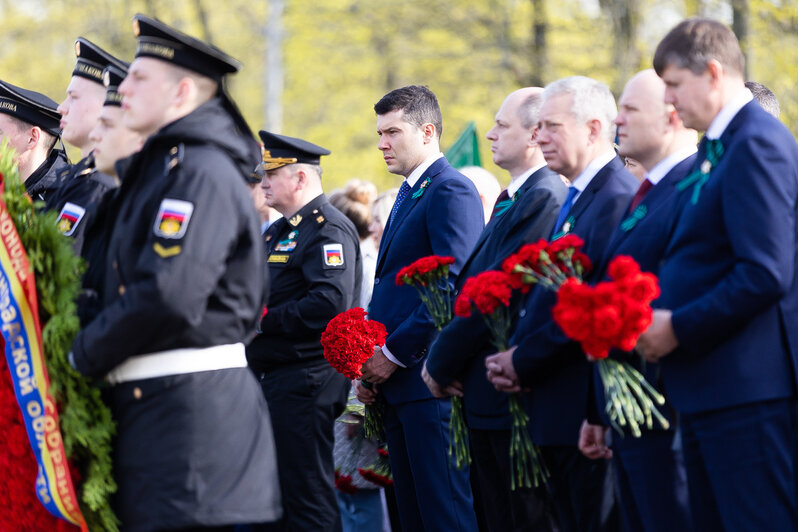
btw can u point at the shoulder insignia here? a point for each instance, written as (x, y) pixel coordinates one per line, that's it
(70, 217)
(281, 259)
(333, 254)
(173, 217)
(319, 219)
(295, 220)
(174, 157)
(164, 252)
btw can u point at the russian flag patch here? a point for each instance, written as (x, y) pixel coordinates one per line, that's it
(70, 217)
(173, 217)
(333, 255)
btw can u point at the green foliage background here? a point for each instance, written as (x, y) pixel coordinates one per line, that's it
(341, 56)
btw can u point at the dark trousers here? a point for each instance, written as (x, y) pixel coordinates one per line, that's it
(304, 403)
(504, 510)
(581, 490)
(741, 466)
(652, 482)
(431, 495)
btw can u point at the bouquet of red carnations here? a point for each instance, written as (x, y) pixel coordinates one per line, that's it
(430, 277)
(610, 315)
(613, 314)
(489, 293)
(348, 341)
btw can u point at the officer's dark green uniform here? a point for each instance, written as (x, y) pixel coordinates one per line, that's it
(183, 293)
(315, 269)
(38, 110)
(80, 188)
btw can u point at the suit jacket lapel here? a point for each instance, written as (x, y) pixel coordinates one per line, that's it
(407, 205)
(594, 186)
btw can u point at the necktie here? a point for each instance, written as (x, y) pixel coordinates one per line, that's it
(645, 186)
(500, 206)
(566, 208)
(400, 197)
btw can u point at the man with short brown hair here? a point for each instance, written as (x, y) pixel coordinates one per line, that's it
(725, 332)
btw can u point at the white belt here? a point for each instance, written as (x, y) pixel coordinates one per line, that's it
(179, 362)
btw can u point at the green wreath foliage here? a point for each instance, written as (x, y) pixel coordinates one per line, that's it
(86, 424)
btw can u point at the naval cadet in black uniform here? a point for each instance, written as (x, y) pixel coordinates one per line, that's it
(112, 141)
(194, 442)
(29, 121)
(80, 187)
(314, 263)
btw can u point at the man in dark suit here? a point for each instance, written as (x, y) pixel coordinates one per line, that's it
(524, 213)
(576, 133)
(437, 212)
(729, 293)
(649, 469)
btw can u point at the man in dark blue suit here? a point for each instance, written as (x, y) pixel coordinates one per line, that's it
(576, 134)
(729, 293)
(437, 212)
(650, 469)
(524, 213)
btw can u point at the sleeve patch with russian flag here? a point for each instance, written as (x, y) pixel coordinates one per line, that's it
(333, 254)
(173, 217)
(70, 217)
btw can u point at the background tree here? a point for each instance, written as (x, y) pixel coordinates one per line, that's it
(340, 56)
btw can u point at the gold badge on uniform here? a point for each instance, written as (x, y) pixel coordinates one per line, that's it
(295, 220)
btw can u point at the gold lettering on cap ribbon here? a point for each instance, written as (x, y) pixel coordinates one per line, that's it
(157, 49)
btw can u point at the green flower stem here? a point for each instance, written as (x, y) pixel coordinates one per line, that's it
(374, 420)
(526, 463)
(458, 435)
(631, 400)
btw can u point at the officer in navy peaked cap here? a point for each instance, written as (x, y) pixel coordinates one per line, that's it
(315, 269)
(194, 440)
(29, 122)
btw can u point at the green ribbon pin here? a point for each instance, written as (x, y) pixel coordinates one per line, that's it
(502, 206)
(420, 192)
(567, 227)
(631, 221)
(699, 177)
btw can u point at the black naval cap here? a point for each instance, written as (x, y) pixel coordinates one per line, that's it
(279, 150)
(31, 107)
(160, 41)
(112, 78)
(92, 60)
(257, 175)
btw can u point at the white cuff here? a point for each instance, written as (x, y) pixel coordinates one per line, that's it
(390, 357)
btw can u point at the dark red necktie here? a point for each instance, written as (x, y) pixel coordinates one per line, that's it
(504, 196)
(645, 186)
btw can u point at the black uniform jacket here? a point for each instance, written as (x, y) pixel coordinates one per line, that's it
(44, 180)
(80, 190)
(185, 270)
(315, 268)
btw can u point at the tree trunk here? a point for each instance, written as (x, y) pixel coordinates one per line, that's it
(740, 20)
(540, 51)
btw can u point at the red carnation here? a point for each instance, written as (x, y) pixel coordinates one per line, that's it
(419, 271)
(344, 483)
(564, 243)
(349, 340)
(375, 478)
(622, 267)
(487, 291)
